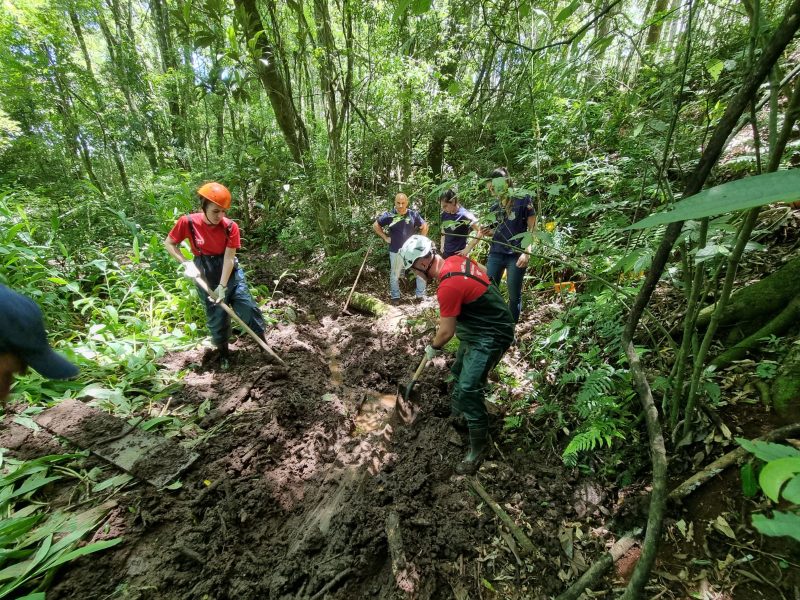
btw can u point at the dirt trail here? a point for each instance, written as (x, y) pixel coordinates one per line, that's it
(291, 494)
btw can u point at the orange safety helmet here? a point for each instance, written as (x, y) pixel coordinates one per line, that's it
(216, 193)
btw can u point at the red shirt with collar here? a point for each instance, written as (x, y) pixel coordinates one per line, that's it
(207, 239)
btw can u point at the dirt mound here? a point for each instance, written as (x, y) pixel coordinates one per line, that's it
(310, 486)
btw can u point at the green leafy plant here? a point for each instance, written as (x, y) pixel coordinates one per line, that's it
(778, 478)
(34, 540)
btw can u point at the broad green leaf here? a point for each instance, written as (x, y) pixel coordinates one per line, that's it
(566, 13)
(781, 186)
(792, 490)
(775, 473)
(112, 482)
(88, 549)
(400, 10)
(34, 596)
(779, 525)
(767, 451)
(749, 483)
(420, 7)
(715, 68)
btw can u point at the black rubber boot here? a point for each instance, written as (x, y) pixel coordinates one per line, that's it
(224, 357)
(478, 448)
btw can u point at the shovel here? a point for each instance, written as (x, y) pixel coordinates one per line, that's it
(204, 286)
(405, 400)
(353, 289)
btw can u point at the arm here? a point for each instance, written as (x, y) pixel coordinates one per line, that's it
(473, 240)
(173, 250)
(423, 228)
(227, 266)
(523, 259)
(445, 332)
(380, 233)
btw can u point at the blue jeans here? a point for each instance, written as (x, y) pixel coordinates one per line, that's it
(495, 265)
(239, 299)
(396, 271)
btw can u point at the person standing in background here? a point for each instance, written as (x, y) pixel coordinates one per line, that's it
(457, 222)
(402, 223)
(515, 215)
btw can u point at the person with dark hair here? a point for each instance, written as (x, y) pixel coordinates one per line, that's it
(214, 240)
(23, 342)
(472, 308)
(457, 222)
(514, 216)
(402, 222)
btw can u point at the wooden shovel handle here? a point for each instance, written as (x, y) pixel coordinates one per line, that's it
(202, 283)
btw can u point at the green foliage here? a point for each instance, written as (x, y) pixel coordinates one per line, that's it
(733, 196)
(35, 540)
(779, 477)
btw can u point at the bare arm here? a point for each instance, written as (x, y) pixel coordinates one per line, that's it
(423, 229)
(173, 250)
(379, 231)
(445, 332)
(227, 266)
(473, 239)
(523, 259)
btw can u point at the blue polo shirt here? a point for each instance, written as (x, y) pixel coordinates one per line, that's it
(400, 227)
(510, 223)
(455, 236)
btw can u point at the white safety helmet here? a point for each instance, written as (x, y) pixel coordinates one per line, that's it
(417, 246)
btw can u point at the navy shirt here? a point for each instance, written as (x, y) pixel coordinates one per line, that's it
(455, 236)
(400, 227)
(510, 224)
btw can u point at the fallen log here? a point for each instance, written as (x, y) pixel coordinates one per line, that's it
(405, 573)
(368, 304)
(523, 540)
(594, 573)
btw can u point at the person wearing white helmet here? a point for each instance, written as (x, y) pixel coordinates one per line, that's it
(471, 307)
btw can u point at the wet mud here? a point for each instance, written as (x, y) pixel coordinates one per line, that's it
(309, 485)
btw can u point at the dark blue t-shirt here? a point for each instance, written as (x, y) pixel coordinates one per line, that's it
(455, 236)
(510, 224)
(400, 227)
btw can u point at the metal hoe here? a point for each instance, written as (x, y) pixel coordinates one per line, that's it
(201, 282)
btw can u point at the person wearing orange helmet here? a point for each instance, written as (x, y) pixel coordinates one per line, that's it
(214, 239)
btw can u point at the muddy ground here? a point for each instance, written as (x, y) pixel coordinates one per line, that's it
(308, 485)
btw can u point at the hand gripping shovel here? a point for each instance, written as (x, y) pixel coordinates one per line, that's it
(201, 282)
(405, 401)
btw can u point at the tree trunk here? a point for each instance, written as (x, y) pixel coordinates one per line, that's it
(289, 121)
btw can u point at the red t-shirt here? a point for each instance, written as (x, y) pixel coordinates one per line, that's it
(459, 289)
(207, 239)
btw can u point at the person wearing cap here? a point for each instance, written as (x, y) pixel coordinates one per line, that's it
(471, 307)
(23, 342)
(402, 222)
(214, 240)
(514, 216)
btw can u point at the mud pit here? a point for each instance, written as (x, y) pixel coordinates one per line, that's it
(309, 487)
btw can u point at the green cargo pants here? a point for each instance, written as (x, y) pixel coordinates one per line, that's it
(474, 361)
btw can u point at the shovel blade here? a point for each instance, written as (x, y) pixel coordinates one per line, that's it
(404, 407)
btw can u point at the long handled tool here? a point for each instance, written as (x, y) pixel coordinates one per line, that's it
(353, 289)
(404, 400)
(201, 282)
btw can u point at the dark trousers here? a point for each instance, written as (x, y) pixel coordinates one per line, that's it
(237, 297)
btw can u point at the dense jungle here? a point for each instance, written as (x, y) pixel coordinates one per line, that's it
(205, 211)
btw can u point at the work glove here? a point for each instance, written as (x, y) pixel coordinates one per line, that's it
(220, 292)
(430, 352)
(190, 270)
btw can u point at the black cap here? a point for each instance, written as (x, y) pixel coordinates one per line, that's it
(22, 333)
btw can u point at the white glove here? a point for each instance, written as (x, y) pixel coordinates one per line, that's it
(220, 292)
(430, 352)
(190, 270)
